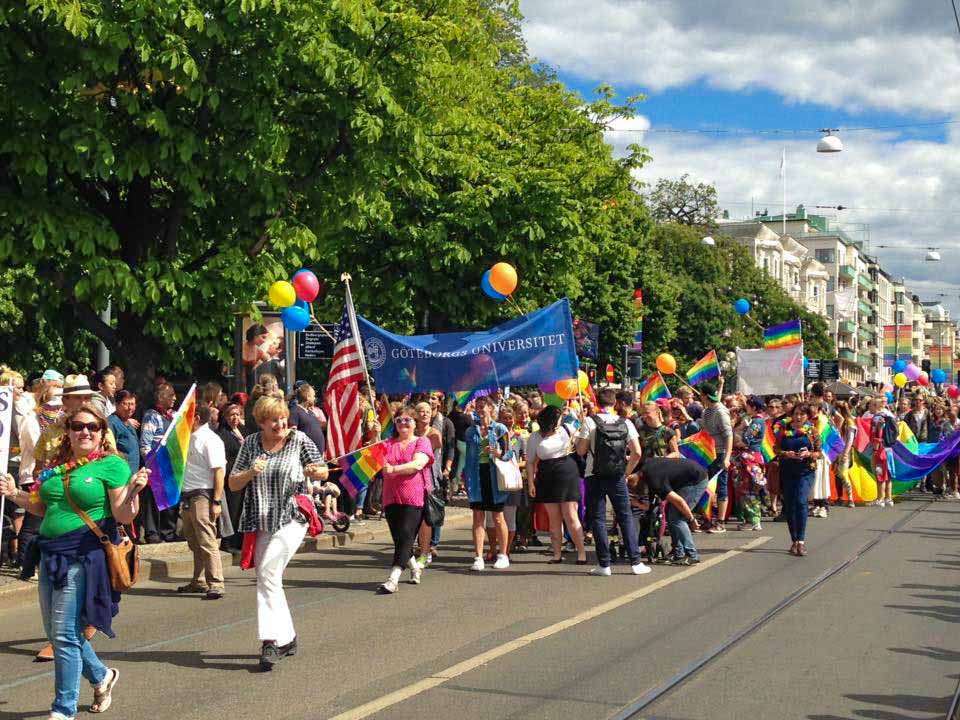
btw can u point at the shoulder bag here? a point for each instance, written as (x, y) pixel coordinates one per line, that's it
(123, 559)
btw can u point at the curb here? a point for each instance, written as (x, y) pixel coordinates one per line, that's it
(180, 561)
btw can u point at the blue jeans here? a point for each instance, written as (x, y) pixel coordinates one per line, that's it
(795, 488)
(680, 535)
(598, 490)
(716, 467)
(73, 655)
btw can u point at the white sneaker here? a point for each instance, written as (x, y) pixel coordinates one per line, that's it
(639, 569)
(757, 526)
(416, 571)
(876, 503)
(502, 563)
(477, 565)
(602, 571)
(389, 587)
(889, 503)
(955, 496)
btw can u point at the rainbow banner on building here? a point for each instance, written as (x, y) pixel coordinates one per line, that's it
(897, 344)
(654, 389)
(782, 335)
(360, 467)
(167, 461)
(706, 368)
(700, 448)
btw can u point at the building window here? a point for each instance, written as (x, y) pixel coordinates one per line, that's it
(899, 319)
(816, 290)
(830, 284)
(899, 298)
(766, 263)
(825, 255)
(829, 311)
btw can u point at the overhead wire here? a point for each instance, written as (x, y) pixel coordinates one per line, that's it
(780, 131)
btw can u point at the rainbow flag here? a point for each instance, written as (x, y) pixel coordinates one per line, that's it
(768, 448)
(700, 448)
(705, 369)
(831, 442)
(167, 461)
(782, 335)
(360, 467)
(385, 418)
(703, 504)
(654, 389)
(462, 397)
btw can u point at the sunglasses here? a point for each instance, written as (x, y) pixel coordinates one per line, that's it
(90, 427)
(404, 421)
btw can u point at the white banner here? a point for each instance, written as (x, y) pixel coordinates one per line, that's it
(845, 303)
(770, 372)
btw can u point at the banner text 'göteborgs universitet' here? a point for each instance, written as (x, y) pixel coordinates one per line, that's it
(532, 349)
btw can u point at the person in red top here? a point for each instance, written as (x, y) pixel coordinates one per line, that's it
(406, 477)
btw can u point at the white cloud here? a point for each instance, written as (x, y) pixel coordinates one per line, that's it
(897, 55)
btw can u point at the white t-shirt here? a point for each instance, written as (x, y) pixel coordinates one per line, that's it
(206, 454)
(591, 426)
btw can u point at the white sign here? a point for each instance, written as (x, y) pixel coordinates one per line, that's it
(6, 421)
(770, 372)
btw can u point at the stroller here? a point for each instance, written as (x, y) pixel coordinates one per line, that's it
(651, 521)
(750, 486)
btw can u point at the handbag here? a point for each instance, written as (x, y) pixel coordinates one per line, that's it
(509, 478)
(580, 460)
(434, 509)
(123, 559)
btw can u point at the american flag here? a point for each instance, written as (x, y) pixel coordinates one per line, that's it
(342, 396)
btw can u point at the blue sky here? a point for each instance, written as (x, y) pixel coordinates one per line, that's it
(800, 64)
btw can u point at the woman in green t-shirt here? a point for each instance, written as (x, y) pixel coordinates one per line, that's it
(74, 583)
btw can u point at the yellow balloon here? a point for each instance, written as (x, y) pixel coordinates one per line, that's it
(282, 294)
(900, 380)
(584, 380)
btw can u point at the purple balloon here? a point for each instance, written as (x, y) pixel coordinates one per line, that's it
(912, 372)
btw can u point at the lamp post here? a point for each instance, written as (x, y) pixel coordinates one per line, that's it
(829, 143)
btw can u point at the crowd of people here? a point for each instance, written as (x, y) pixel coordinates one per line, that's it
(582, 473)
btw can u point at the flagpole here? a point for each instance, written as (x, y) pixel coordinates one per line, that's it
(783, 173)
(355, 329)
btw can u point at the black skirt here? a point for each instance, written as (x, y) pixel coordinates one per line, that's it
(558, 480)
(487, 491)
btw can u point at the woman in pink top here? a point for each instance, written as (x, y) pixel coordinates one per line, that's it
(406, 477)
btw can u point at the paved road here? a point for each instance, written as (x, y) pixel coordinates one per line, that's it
(541, 641)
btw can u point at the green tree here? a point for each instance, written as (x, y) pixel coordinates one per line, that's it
(683, 202)
(175, 158)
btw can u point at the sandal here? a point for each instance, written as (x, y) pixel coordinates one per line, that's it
(103, 695)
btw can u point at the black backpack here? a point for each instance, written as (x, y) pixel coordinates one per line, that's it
(610, 448)
(891, 431)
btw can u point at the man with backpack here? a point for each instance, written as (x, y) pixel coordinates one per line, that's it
(612, 452)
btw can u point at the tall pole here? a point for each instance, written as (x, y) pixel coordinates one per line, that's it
(355, 329)
(783, 173)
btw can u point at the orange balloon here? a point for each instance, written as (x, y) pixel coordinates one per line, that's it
(666, 364)
(567, 389)
(503, 278)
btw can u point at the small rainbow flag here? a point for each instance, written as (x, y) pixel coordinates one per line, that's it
(360, 467)
(768, 447)
(703, 505)
(705, 369)
(700, 448)
(654, 389)
(831, 442)
(462, 397)
(385, 418)
(167, 461)
(782, 335)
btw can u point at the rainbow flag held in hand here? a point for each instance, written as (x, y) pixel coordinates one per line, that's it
(654, 389)
(167, 461)
(700, 448)
(831, 442)
(385, 418)
(360, 467)
(768, 447)
(706, 368)
(782, 335)
(703, 505)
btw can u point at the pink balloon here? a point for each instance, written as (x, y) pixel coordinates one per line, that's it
(912, 372)
(923, 379)
(306, 285)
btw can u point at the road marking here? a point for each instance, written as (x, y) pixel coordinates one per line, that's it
(405, 693)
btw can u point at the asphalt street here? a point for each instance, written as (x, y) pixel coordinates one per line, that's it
(543, 641)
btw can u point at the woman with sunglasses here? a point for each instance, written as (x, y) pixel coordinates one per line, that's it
(74, 585)
(406, 480)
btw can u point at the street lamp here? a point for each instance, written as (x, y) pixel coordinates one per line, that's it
(829, 143)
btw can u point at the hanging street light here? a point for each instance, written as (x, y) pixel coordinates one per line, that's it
(829, 143)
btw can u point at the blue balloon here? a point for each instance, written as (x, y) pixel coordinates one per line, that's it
(295, 318)
(742, 306)
(302, 304)
(298, 272)
(899, 366)
(938, 376)
(488, 288)
(889, 396)
(806, 362)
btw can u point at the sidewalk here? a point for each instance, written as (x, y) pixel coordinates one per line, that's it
(174, 559)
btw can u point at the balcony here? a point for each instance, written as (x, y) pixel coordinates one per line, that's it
(847, 327)
(865, 360)
(866, 334)
(866, 283)
(848, 272)
(847, 354)
(864, 308)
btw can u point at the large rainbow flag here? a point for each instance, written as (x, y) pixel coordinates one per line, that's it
(167, 461)
(700, 448)
(654, 389)
(706, 368)
(360, 467)
(782, 335)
